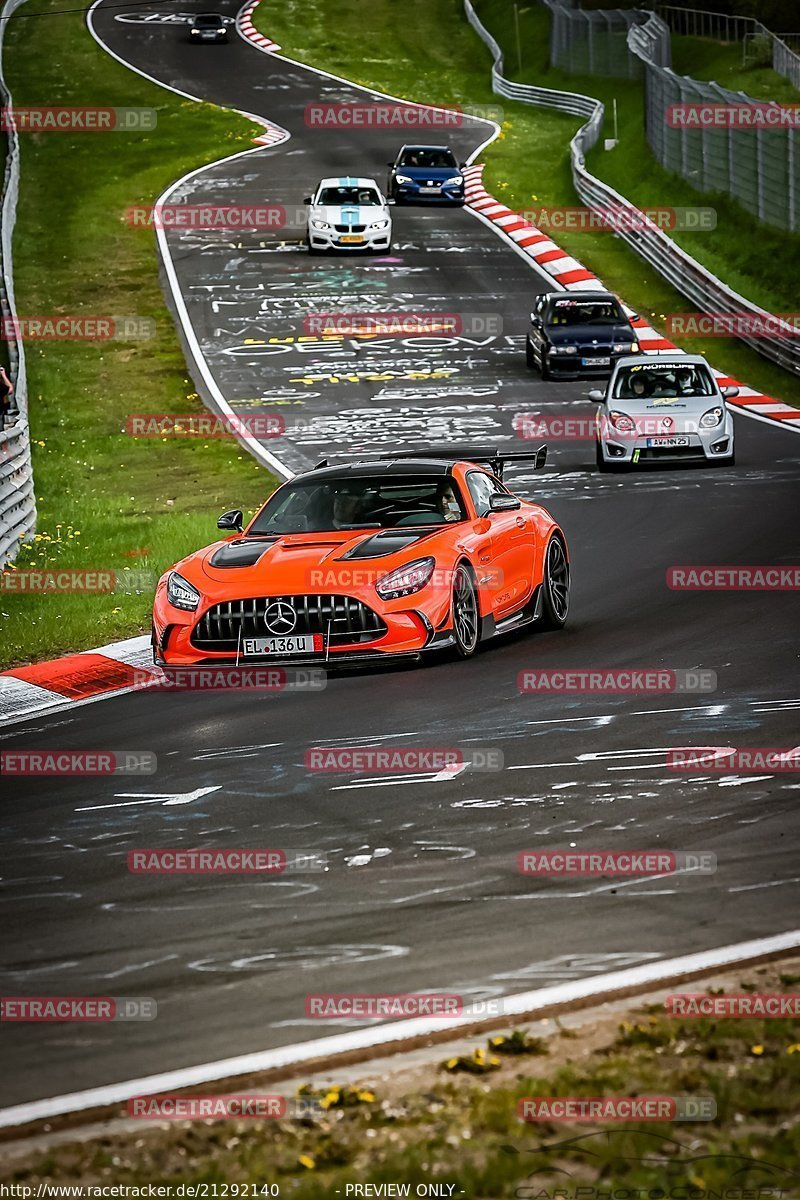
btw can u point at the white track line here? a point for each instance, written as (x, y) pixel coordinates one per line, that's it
(266, 458)
(658, 974)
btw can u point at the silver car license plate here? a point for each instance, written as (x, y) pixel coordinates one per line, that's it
(283, 645)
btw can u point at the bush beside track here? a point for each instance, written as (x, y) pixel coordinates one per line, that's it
(105, 500)
(437, 59)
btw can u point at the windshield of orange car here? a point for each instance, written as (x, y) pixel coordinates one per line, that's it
(362, 502)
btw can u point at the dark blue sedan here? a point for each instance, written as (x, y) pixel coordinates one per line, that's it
(424, 174)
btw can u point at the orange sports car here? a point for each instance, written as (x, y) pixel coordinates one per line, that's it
(395, 555)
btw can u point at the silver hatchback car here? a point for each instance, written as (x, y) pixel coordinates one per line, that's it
(663, 408)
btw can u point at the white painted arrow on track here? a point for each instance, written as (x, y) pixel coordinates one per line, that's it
(164, 798)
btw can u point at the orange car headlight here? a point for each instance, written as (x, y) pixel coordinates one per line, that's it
(181, 593)
(405, 580)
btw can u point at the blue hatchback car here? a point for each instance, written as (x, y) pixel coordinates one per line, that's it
(424, 174)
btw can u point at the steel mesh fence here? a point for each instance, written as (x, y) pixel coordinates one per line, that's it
(593, 42)
(675, 264)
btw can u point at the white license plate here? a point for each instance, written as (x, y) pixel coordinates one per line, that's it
(668, 441)
(310, 644)
(430, 191)
(596, 362)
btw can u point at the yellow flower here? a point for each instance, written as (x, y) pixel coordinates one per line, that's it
(757, 1050)
(306, 1160)
(366, 1096)
(451, 1062)
(794, 1048)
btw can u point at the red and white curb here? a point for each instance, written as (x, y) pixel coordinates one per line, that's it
(391, 1037)
(26, 691)
(275, 134)
(245, 26)
(568, 273)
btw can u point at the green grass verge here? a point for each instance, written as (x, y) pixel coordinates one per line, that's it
(462, 1129)
(105, 500)
(436, 58)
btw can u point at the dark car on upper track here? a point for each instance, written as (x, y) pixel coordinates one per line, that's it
(209, 27)
(574, 334)
(426, 173)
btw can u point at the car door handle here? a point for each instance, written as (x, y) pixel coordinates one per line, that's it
(486, 558)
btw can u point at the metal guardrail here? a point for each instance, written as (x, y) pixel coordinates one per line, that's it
(649, 241)
(17, 497)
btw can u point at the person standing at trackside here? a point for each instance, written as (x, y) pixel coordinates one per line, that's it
(8, 407)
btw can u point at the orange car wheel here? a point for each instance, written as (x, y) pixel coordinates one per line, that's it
(466, 616)
(555, 585)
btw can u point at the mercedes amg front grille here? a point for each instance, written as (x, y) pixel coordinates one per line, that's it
(341, 620)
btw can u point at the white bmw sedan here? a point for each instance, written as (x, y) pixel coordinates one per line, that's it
(348, 214)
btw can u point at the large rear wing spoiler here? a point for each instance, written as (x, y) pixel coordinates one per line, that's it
(495, 457)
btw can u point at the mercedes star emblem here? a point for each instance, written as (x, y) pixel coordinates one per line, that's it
(280, 618)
